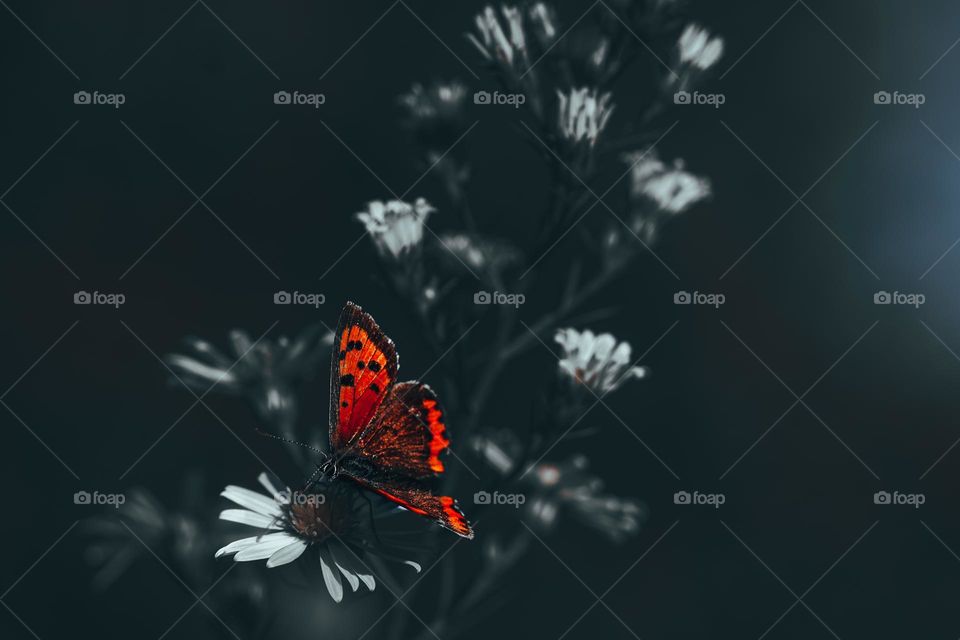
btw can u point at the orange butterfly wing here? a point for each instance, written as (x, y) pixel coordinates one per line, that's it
(407, 435)
(363, 369)
(441, 509)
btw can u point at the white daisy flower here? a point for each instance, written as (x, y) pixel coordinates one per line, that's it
(597, 361)
(290, 523)
(395, 226)
(583, 114)
(698, 49)
(503, 42)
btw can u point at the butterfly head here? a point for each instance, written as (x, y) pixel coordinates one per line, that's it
(329, 468)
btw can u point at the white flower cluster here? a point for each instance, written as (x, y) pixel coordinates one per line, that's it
(671, 187)
(504, 42)
(502, 36)
(597, 361)
(395, 226)
(698, 49)
(583, 114)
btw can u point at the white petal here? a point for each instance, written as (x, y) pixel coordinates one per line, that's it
(243, 543)
(413, 564)
(367, 580)
(265, 547)
(603, 347)
(264, 481)
(352, 579)
(330, 576)
(235, 546)
(252, 500)
(621, 355)
(347, 559)
(287, 554)
(249, 518)
(201, 370)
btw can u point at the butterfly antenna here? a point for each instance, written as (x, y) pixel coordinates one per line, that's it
(313, 479)
(289, 441)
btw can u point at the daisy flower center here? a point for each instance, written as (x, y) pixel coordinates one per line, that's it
(309, 516)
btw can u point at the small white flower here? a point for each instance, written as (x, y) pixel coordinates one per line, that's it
(583, 114)
(290, 523)
(264, 372)
(672, 188)
(395, 226)
(494, 43)
(568, 487)
(439, 100)
(480, 253)
(697, 48)
(596, 361)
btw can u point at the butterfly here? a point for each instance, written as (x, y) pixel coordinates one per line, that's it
(386, 436)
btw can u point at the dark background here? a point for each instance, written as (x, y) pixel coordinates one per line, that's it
(799, 99)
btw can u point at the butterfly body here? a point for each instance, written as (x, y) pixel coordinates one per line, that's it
(385, 435)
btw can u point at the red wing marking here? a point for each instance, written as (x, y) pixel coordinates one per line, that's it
(362, 372)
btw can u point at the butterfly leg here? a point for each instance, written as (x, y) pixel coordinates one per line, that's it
(373, 526)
